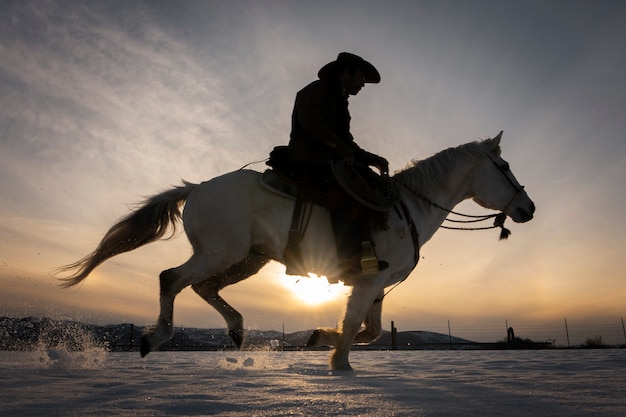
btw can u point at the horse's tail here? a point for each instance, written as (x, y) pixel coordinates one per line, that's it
(144, 225)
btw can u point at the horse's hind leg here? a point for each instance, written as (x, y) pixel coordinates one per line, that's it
(173, 281)
(209, 288)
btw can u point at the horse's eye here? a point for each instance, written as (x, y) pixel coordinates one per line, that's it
(505, 166)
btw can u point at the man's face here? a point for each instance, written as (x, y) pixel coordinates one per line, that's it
(353, 83)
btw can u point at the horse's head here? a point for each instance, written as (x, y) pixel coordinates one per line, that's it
(495, 187)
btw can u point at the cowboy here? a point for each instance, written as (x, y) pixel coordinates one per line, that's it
(320, 135)
(320, 122)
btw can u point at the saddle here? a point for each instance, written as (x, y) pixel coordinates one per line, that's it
(366, 194)
(358, 181)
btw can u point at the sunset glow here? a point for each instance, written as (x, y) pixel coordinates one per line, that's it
(313, 289)
(105, 103)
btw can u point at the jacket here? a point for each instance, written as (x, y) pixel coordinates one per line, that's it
(320, 125)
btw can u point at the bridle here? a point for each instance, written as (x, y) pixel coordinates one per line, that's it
(504, 169)
(499, 218)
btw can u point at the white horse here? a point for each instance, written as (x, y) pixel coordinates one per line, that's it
(236, 225)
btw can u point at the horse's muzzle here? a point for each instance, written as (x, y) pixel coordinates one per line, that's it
(523, 215)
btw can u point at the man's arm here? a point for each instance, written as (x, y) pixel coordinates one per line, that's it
(309, 105)
(371, 159)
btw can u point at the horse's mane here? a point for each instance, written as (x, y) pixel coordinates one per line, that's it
(432, 172)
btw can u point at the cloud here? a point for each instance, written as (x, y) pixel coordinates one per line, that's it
(85, 100)
(103, 104)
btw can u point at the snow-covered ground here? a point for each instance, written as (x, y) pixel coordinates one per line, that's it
(94, 382)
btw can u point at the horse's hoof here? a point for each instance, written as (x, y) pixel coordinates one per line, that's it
(341, 367)
(314, 339)
(339, 362)
(144, 346)
(237, 336)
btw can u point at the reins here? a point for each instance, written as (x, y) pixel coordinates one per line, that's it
(252, 163)
(499, 219)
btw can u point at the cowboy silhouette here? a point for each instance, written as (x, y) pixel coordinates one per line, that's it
(320, 135)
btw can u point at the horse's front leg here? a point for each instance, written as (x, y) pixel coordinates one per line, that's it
(327, 336)
(323, 336)
(359, 303)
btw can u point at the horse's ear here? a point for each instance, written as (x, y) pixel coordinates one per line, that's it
(494, 143)
(496, 140)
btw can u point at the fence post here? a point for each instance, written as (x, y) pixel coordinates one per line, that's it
(567, 333)
(394, 336)
(132, 337)
(450, 334)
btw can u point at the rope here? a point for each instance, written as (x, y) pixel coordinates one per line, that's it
(380, 300)
(252, 163)
(499, 219)
(472, 221)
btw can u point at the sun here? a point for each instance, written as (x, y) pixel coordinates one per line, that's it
(313, 289)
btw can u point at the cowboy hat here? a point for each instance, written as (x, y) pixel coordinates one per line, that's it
(347, 60)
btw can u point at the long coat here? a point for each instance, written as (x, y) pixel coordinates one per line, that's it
(320, 126)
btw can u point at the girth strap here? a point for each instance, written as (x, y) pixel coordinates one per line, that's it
(416, 244)
(413, 229)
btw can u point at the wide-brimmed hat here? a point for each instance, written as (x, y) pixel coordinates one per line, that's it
(347, 60)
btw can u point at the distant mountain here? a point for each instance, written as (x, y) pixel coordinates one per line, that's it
(417, 339)
(32, 333)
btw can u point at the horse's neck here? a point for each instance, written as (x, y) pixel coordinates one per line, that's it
(432, 200)
(456, 188)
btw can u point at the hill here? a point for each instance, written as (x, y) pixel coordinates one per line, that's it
(32, 333)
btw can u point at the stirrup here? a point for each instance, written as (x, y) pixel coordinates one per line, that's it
(370, 265)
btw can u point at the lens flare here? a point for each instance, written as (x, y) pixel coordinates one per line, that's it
(313, 289)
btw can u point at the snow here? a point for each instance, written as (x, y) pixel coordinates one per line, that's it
(95, 382)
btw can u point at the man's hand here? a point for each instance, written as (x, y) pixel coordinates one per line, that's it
(381, 163)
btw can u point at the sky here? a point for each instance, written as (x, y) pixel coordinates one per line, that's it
(105, 103)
